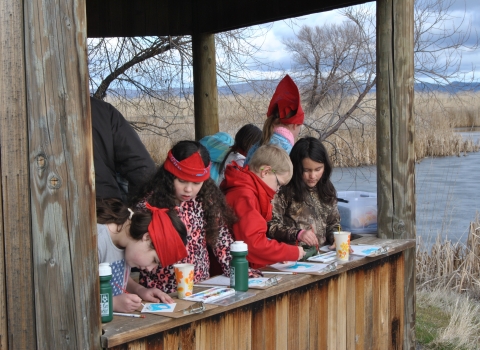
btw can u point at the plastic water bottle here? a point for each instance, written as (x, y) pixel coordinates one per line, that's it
(239, 266)
(106, 299)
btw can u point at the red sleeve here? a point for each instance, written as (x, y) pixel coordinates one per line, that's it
(251, 228)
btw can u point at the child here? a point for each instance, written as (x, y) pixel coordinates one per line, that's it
(306, 210)
(218, 146)
(249, 191)
(183, 184)
(245, 138)
(142, 239)
(284, 118)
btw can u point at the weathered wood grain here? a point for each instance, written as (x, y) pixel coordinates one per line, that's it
(341, 310)
(61, 176)
(17, 315)
(332, 315)
(281, 336)
(351, 310)
(205, 85)
(360, 333)
(395, 138)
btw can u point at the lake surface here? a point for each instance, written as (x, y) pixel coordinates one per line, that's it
(447, 190)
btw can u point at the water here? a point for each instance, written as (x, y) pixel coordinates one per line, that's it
(447, 190)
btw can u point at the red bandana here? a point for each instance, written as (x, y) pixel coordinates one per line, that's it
(286, 99)
(165, 238)
(190, 169)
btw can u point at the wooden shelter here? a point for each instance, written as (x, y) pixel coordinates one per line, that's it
(49, 293)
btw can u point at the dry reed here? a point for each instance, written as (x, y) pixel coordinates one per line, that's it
(162, 123)
(451, 265)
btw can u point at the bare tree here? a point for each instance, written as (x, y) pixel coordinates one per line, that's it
(152, 73)
(335, 64)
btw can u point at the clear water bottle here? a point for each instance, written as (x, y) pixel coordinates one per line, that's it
(239, 266)
(106, 298)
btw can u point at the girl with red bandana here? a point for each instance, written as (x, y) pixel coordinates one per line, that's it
(143, 239)
(284, 118)
(183, 184)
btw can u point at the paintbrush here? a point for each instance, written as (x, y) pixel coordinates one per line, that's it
(125, 291)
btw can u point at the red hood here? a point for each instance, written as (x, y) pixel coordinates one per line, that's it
(242, 179)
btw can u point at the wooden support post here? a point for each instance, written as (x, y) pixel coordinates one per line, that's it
(395, 138)
(48, 230)
(205, 85)
(17, 307)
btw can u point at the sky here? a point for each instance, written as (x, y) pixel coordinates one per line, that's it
(273, 50)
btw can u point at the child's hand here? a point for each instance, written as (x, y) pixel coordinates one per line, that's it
(308, 237)
(301, 253)
(253, 273)
(126, 302)
(154, 295)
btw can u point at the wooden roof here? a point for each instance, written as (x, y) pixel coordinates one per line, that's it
(127, 18)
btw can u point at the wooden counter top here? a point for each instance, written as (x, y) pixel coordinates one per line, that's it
(125, 329)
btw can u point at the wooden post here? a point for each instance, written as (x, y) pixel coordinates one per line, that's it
(395, 138)
(48, 209)
(205, 85)
(17, 311)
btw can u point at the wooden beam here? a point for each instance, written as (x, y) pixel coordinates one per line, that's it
(205, 85)
(17, 312)
(395, 139)
(111, 18)
(61, 176)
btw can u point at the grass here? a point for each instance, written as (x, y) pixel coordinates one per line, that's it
(447, 320)
(448, 293)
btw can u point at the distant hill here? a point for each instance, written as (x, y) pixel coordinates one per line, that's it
(269, 85)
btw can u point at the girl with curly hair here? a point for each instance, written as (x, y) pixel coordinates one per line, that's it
(183, 183)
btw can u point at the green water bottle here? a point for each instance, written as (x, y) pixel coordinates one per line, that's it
(106, 298)
(239, 266)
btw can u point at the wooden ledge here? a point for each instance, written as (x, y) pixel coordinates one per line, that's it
(125, 329)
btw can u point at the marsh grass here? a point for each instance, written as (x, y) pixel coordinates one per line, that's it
(452, 266)
(448, 293)
(162, 123)
(447, 320)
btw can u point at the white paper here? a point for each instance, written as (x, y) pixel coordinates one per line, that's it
(211, 294)
(367, 250)
(300, 267)
(324, 258)
(222, 280)
(159, 307)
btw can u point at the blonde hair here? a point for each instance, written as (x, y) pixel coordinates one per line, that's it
(273, 156)
(268, 127)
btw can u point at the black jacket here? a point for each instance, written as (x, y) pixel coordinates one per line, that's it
(117, 150)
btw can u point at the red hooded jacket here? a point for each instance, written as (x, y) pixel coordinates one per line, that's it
(251, 198)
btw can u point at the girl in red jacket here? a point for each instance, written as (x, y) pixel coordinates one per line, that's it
(249, 191)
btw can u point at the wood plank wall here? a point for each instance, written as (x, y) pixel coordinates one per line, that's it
(49, 298)
(358, 309)
(17, 309)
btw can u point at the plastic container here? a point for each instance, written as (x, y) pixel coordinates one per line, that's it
(359, 215)
(106, 298)
(239, 266)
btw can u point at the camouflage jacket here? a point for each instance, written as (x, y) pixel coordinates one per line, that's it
(289, 217)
